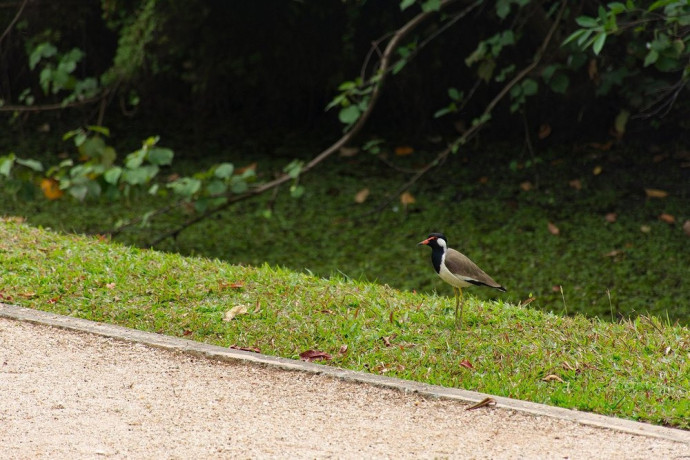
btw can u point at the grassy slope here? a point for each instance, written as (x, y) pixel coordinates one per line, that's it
(635, 369)
(477, 200)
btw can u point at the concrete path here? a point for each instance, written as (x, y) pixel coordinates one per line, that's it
(72, 388)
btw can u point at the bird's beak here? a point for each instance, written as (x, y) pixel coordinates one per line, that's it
(426, 241)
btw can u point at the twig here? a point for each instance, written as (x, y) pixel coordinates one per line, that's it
(14, 20)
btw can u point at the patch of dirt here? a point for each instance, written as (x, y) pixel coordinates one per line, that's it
(72, 395)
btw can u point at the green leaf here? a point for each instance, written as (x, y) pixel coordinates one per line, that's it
(238, 185)
(431, 5)
(529, 87)
(405, 4)
(6, 164)
(92, 147)
(587, 22)
(79, 191)
(31, 164)
(216, 187)
(44, 50)
(294, 168)
(99, 129)
(296, 191)
(349, 115)
(224, 170)
(135, 159)
(503, 8)
(160, 156)
(185, 186)
(651, 58)
(454, 94)
(599, 43)
(112, 175)
(559, 84)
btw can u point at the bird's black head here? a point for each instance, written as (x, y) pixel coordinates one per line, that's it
(435, 240)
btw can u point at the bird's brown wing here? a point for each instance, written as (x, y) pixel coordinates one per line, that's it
(463, 267)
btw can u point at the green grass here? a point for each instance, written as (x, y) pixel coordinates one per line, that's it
(497, 224)
(637, 369)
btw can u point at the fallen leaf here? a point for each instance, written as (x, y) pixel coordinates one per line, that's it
(406, 198)
(611, 217)
(567, 366)
(552, 378)
(668, 218)
(528, 301)
(51, 189)
(252, 349)
(313, 355)
(614, 253)
(466, 364)
(686, 227)
(387, 340)
(404, 150)
(526, 186)
(553, 229)
(655, 193)
(234, 311)
(597, 170)
(28, 295)
(593, 70)
(186, 332)
(576, 184)
(110, 285)
(486, 402)
(544, 131)
(244, 169)
(348, 151)
(361, 196)
(645, 228)
(343, 349)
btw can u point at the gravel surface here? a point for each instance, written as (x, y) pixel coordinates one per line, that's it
(67, 394)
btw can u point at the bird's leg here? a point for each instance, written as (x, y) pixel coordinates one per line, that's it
(459, 302)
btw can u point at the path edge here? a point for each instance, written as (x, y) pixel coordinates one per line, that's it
(218, 353)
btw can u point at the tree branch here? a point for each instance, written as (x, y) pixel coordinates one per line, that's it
(14, 20)
(377, 80)
(474, 129)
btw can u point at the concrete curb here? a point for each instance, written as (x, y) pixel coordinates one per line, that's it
(226, 354)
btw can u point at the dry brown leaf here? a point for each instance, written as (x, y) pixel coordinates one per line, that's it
(348, 151)
(252, 349)
(361, 196)
(244, 169)
(234, 311)
(576, 184)
(387, 340)
(655, 193)
(402, 150)
(645, 228)
(668, 218)
(406, 198)
(611, 217)
(486, 402)
(686, 227)
(614, 253)
(597, 170)
(552, 378)
(553, 229)
(544, 131)
(526, 186)
(466, 364)
(343, 349)
(313, 355)
(593, 70)
(527, 301)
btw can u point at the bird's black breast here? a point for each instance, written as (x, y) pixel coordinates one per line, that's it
(436, 258)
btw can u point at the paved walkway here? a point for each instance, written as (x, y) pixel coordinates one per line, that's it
(71, 394)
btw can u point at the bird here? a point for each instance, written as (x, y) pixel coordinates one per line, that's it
(456, 269)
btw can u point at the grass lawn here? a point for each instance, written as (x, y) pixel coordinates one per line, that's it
(637, 369)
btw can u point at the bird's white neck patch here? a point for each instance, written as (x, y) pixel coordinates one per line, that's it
(441, 242)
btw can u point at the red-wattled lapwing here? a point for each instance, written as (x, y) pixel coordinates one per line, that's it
(456, 269)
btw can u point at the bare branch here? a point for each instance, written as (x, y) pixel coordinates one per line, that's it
(14, 20)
